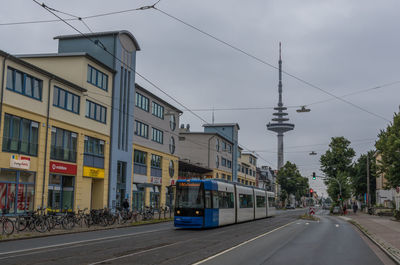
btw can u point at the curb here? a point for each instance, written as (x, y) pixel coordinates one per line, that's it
(386, 249)
(68, 232)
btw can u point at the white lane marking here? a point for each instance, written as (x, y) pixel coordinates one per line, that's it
(298, 223)
(336, 225)
(133, 254)
(307, 223)
(81, 241)
(241, 244)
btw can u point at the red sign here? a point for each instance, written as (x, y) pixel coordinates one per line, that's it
(63, 168)
(311, 211)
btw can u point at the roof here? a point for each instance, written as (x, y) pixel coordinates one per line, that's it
(42, 71)
(99, 34)
(208, 133)
(137, 86)
(221, 125)
(249, 154)
(67, 54)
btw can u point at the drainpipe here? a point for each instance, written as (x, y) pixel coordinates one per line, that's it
(2, 86)
(47, 137)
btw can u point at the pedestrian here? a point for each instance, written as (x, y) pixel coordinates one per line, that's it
(355, 207)
(125, 205)
(344, 209)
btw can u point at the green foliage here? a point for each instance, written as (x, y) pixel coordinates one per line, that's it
(291, 181)
(336, 164)
(388, 148)
(359, 175)
(396, 214)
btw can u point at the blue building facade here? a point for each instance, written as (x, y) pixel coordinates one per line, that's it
(231, 132)
(116, 49)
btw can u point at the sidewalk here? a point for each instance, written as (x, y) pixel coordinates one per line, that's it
(382, 230)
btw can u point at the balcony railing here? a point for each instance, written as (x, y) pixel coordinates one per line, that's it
(64, 154)
(19, 146)
(156, 172)
(139, 169)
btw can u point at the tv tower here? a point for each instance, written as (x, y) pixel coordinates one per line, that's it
(280, 124)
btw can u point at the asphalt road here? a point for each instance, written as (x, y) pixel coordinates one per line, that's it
(282, 239)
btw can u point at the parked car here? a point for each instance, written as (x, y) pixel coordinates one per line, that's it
(290, 206)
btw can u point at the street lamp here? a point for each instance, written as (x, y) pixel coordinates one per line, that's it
(303, 109)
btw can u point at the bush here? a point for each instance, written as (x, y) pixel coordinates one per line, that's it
(396, 214)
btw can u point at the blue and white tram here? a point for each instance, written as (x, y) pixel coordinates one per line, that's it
(213, 203)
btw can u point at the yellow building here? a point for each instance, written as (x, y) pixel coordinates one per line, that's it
(55, 128)
(247, 168)
(155, 163)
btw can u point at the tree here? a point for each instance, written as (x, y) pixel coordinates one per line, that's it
(336, 164)
(359, 175)
(291, 181)
(388, 150)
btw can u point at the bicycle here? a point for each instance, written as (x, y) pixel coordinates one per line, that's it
(6, 223)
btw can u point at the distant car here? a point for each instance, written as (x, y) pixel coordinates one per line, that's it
(290, 207)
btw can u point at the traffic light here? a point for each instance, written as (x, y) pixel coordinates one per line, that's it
(314, 177)
(311, 191)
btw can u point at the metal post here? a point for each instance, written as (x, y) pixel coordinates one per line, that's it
(368, 190)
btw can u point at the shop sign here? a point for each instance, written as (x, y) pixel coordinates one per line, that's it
(22, 162)
(92, 172)
(63, 168)
(156, 180)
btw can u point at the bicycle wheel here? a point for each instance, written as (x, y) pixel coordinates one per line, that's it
(68, 223)
(21, 223)
(8, 226)
(41, 225)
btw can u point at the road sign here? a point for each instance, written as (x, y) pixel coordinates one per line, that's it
(311, 211)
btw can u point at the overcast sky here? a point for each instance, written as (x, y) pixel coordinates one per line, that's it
(341, 46)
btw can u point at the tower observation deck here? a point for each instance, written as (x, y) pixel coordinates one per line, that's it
(280, 124)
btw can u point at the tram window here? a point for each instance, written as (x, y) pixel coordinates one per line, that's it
(245, 201)
(260, 201)
(215, 199)
(225, 199)
(271, 201)
(208, 199)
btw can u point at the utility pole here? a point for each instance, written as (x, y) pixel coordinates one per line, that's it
(368, 191)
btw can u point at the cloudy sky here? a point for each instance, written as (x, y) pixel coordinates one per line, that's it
(340, 46)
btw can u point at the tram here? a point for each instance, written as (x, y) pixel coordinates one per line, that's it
(213, 202)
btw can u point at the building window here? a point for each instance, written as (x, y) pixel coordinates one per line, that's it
(229, 148)
(61, 192)
(97, 78)
(157, 110)
(63, 145)
(96, 111)
(251, 172)
(140, 162)
(157, 136)
(20, 135)
(121, 182)
(141, 129)
(24, 84)
(217, 162)
(142, 102)
(171, 169)
(239, 167)
(223, 162)
(156, 161)
(93, 152)
(217, 145)
(172, 122)
(229, 163)
(172, 145)
(66, 100)
(224, 146)
(17, 190)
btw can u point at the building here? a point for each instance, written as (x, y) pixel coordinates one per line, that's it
(155, 160)
(54, 148)
(117, 50)
(229, 131)
(247, 168)
(266, 178)
(208, 151)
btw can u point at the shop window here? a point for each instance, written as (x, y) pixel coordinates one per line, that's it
(17, 190)
(61, 193)
(138, 198)
(20, 135)
(63, 145)
(155, 197)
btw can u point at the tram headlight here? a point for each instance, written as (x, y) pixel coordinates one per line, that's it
(178, 211)
(197, 212)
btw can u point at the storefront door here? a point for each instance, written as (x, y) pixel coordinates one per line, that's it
(61, 192)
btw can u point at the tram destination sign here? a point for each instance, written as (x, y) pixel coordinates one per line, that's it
(189, 184)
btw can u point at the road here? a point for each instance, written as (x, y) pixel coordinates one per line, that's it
(283, 239)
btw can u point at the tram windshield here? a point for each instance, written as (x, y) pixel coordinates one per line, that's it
(189, 195)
